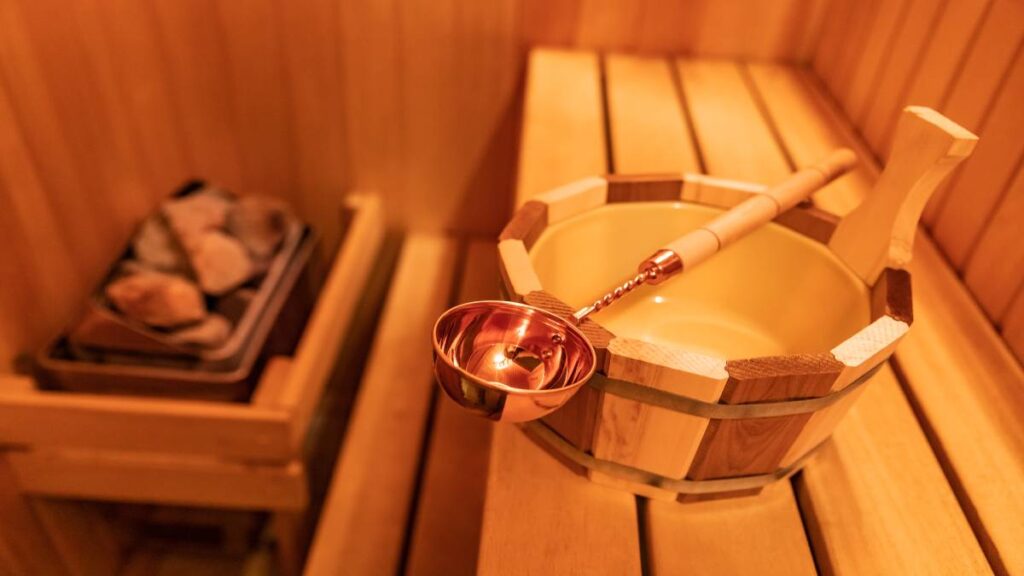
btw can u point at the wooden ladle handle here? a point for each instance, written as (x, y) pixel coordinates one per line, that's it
(698, 245)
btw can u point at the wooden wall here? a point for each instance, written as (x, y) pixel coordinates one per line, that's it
(107, 105)
(966, 59)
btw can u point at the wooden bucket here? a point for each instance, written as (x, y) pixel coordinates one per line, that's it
(727, 378)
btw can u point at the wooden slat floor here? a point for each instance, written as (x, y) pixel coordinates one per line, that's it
(922, 477)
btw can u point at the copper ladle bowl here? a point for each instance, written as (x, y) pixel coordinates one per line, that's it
(510, 362)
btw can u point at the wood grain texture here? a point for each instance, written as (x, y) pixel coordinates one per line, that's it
(982, 73)
(517, 272)
(113, 105)
(526, 224)
(86, 540)
(598, 525)
(880, 232)
(53, 419)
(317, 350)
(857, 25)
(874, 56)
(1013, 327)
(25, 544)
(562, 104)
(919, 510)
(720, 105)
(141, 477)
(574, 198)
(938, 66)
(973, 418)
(762, 535)
(801, 132)
(892, 296)
(879, 460)
(450, 503)
(648, 129)
(647, 437)
(362, 526)
(644, 188)
(897, 69)
(757, 445)
(983, 180)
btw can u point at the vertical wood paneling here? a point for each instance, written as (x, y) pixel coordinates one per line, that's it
(876, 51)
(781, 29)
(984, 177)
(984, 70)
(995, 272)
(196, 59)
(459, 69)
(1013, 326)
(948, 44)
(312, 66)
(856, 27)
(897, 69)
(963, 58)
(127, 32)
(46, 143)
(257, 95)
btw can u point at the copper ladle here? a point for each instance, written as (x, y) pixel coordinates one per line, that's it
(514, 362)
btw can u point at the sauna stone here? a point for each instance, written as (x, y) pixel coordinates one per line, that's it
(158, 299)
(221, 263)
(260, 223)
(193, 215)
(210, 333)
(154, 247)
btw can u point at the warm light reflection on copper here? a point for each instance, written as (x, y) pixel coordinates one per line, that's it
(509, 361)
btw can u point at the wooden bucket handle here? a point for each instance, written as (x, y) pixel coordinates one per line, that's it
(879, 233)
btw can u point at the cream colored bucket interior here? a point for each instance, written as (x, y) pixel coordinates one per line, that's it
(774, 292)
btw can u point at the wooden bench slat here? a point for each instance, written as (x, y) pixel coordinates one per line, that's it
(880, 459)
(704, 536)
(875, 499)
(160, 479)
(762, 535)
(451, 499)
(647, 124)
(539, 516)
(563, 105)
(362, 526)
(968, 386)
(176, 426)
(953, 344)
(718, 90)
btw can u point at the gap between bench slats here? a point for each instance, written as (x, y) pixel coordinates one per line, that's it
(450, 502)
(362, 528)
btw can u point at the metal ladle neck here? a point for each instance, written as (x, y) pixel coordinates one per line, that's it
(654, 270)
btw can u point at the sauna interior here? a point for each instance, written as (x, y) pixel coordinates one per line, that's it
(360, 160)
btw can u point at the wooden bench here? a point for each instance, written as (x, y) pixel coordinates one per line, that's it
(923, 475)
